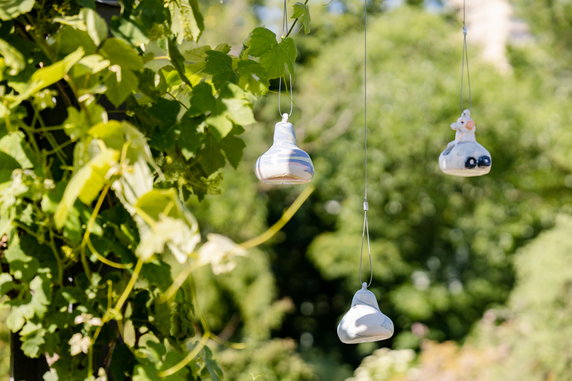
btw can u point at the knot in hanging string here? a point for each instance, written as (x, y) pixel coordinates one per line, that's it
(465, 63)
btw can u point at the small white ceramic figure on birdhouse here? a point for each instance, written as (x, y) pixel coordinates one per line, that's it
(464, 156)
(284, 162)
(364, 322)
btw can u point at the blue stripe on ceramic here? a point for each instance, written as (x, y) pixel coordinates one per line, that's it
(284, 162)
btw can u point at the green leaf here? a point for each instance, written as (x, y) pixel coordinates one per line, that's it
(252, 77)
(92, 64)
(95, 25)
(7, 166)
(220, 122)
(302, 12)
(35, 303)
(202, 99)
(190, 140)
(86, 183)
(121, 53)
(186, 20)
(33, 338)
(10, 9)
(239, 110)
(78, 123)
(174, 228)
(260, 41)
(280, 59)
(211, 158)
(68, 39)
(130, 32)
(178, 61)
(233, 148)
(23, 267)
(12, 57)
(120, 85)
(219, 65)
(49, 75)
(16, 146)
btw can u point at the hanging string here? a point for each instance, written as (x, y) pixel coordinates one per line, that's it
(365, 230)
(291, 95)
(284, 33)
(465, 63)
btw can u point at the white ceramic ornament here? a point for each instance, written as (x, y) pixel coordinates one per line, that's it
(464, 156)
(284, 162)
(364, 322)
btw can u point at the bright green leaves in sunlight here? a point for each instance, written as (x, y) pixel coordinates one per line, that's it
(86, 183)
(170, 226)
(10, 9)
(186, 20)
(302, 13)
(12, 58)
(110, 127)
(277, 58)
(47, 76)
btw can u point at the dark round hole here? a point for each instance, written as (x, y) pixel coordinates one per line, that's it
(471, 162)
(484, 161)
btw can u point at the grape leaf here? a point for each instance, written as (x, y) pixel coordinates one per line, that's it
(260, 41)
(12, 57)
(120, 85)
(219, 65)
(280, 59)
(252, 77)
(302, 12)
(202, 99)
(49, 75)
(95, 25)
(121, 53)
(10, 9)
(233, 148)
(85, 183)
(211, 159)
(238, 109)
(178, 61)
(186, 20)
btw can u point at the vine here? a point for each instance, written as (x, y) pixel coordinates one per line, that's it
(106, 131)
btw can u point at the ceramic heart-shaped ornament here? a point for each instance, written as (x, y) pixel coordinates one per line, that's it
(464, 156)
(284, 162)
(364, 322)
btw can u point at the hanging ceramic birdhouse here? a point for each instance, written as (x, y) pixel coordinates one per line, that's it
(364, 322)
(464, 156)
(284, 162)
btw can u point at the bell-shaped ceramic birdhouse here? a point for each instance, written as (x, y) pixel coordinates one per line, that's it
(464, 156)
(284, 162)
(364, 322)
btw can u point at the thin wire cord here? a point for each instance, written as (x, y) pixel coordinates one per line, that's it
(291, 95)
(365, 230)
(284, 32)
(465, 63)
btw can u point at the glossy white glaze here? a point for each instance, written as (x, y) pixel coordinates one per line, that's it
(364, 322)
(284, 162)
(464, 156)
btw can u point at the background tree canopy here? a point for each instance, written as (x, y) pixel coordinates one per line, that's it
(118, 213)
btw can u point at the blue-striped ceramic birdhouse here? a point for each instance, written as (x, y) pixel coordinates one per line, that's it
(464, 156)
(364, 322)
(284, 162)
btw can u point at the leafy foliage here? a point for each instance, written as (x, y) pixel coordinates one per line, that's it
(107, 128)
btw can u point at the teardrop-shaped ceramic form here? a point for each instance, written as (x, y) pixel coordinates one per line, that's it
(364, 322)
(284, 162)
(464, 156)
